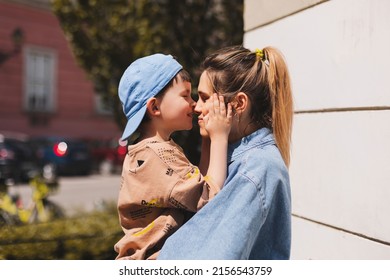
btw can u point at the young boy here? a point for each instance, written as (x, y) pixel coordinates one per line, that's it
(160, 187)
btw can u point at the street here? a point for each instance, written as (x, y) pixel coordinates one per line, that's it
(77, 194)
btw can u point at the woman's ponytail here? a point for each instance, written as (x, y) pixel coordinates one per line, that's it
(281, 100)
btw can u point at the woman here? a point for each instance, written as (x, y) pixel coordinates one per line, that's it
(251, 216)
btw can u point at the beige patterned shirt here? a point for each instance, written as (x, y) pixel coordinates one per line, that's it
(159, 189)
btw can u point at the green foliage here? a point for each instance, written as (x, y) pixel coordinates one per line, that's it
(107, 35)
(90, 236)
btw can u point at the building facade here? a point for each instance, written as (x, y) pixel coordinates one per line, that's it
(337, 52)
(43, 91)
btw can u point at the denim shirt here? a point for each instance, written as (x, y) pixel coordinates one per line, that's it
(250, 218)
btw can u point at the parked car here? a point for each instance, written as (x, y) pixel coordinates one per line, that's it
(108, 155)
(17, 158)
(68, 156)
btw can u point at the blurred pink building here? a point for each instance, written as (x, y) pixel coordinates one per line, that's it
(42, 89)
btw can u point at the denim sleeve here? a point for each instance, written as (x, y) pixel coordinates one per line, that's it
(225, 228)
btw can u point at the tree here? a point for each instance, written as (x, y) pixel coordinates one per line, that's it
(107, 35)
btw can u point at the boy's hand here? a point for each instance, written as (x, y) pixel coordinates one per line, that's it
(218, 121)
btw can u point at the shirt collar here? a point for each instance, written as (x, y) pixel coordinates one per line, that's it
(260, 137)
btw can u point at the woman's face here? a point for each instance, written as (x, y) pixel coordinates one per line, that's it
(205, 91)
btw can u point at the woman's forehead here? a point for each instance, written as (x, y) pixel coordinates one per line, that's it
(205, 85)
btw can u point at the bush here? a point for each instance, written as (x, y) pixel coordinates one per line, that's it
(85, 237)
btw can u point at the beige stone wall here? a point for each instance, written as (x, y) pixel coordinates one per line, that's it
(261, 12)
(338, 57)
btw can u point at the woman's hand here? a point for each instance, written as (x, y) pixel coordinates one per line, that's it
(218, 121)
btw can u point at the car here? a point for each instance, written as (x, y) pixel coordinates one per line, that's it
(108, 155)
(68, 156)
(17, 158)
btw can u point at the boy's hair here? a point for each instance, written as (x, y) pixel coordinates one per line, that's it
(182, 74)
(144, 78)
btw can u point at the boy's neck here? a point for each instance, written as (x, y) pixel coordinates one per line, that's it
(147, 132)
(154, 129)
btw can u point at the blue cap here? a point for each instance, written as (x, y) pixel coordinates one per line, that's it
(144, 79)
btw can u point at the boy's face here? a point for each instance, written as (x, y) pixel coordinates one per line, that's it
(177, 106)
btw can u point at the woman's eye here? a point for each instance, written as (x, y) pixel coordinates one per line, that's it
(204, 98)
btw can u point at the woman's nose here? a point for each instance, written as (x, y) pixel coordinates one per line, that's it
(198, 107)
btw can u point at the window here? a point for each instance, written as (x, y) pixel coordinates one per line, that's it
(39, 79)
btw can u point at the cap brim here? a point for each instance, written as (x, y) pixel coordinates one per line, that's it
(133, 123)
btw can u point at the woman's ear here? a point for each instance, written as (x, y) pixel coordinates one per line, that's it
(152, 107)
(240, 102)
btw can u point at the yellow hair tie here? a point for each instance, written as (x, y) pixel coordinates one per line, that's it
(259, 53)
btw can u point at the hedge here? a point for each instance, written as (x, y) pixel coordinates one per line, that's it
(85, 237)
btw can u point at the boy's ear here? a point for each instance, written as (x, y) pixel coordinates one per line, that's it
(152, 107)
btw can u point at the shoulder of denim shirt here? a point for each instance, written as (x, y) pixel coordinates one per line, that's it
(259, 159)
(260, 138)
